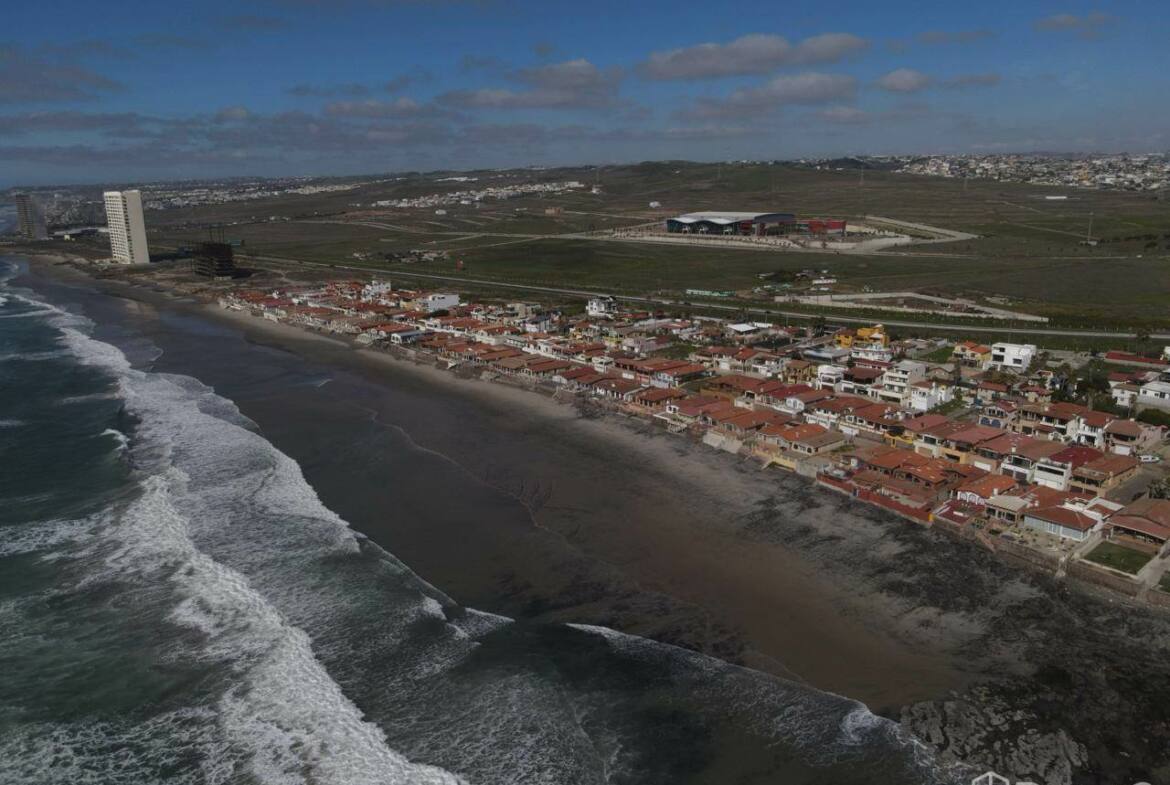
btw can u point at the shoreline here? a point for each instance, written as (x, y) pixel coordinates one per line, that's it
(751, 588)
(930, 679)
(952, 601)
(1094, 579)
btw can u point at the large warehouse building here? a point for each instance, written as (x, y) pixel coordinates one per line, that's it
(731, 223)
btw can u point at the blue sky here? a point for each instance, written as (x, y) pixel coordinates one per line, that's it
(146, 91)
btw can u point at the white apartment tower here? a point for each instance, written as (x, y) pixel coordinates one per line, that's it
(127, 227)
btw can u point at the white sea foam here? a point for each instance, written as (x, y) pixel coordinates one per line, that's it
(122, 439)
(43, 536)
(11, 423)
(27, 314)
(100, 396)
(31, 356)
(110, 752)
(230, 523)
(476, 624)
(286, 715)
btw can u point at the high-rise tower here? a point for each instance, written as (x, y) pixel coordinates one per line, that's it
(127, 227)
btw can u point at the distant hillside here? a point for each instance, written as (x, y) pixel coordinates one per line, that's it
(849, 162)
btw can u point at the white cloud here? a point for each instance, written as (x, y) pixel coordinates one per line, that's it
(757, 53)
(846, 115)
(1087, 26)
(807, 88)
(398, 107)
(572, 84)
(904, 80)
(231, 113)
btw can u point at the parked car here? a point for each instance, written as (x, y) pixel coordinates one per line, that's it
(1149, 458)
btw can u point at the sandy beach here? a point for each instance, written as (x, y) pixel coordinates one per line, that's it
(665, 537)
(520, 505)
(670, 517)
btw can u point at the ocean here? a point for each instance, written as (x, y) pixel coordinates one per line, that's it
(179, 606)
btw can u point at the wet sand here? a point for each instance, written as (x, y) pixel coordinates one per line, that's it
(513, 503)
(610, 523)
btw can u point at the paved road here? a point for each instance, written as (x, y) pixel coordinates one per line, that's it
(732, 308)
(947, 235)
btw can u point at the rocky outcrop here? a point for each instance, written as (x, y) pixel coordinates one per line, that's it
(984, 730)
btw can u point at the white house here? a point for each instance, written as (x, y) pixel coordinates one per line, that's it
(1154, 394)
(829, 376)
(601, 306)
(926, 395)
(1012, 356)
(1124, 395)
(898, 379)
(439, 302)
(1071, 521)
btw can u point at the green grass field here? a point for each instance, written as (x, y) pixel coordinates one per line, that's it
(1030, 251)
(1119, 557)
(940, 355)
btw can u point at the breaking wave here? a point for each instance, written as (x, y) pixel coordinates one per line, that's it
(305, 653)
(280, 717)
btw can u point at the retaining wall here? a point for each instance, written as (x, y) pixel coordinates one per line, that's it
(1087, 573)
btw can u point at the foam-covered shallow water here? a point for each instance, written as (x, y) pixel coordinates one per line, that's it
(181, 607)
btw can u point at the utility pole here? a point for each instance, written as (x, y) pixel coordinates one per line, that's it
(1089, 234)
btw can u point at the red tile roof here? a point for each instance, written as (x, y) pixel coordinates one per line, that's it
(1063, 516)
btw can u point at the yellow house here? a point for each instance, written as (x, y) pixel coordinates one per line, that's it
(868, 336)
(972, 354)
